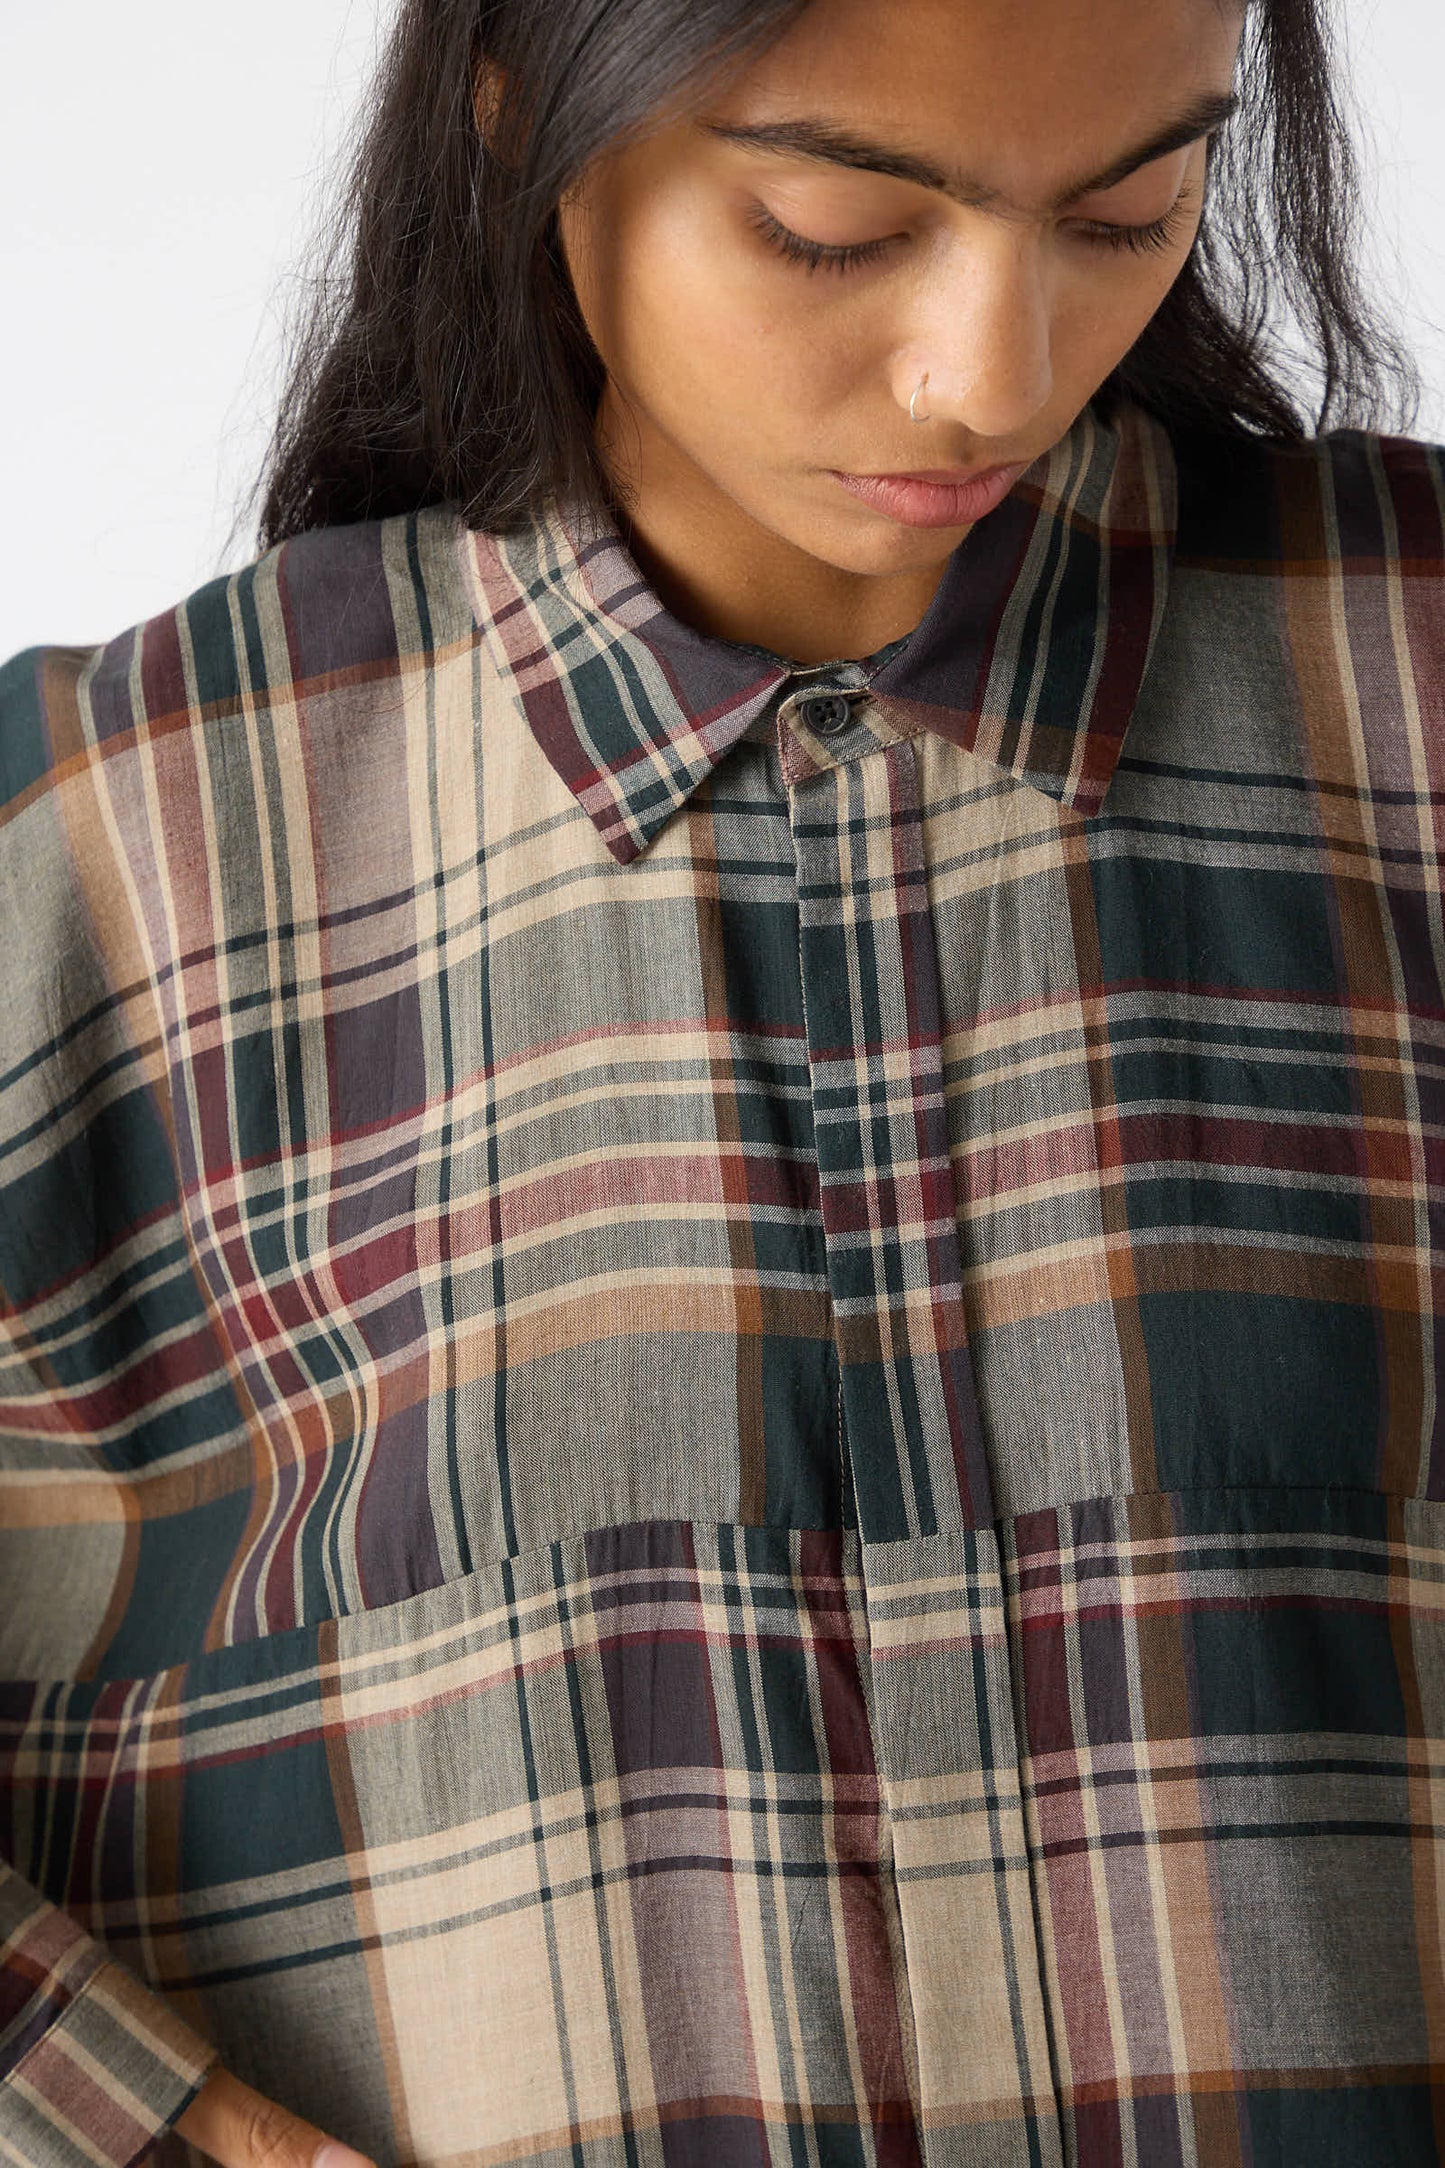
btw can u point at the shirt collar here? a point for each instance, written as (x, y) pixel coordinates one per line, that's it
(1031, 654)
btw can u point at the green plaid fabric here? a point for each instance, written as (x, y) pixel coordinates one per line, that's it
(720, 1429)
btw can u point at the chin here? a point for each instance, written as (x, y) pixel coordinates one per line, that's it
(892, 549)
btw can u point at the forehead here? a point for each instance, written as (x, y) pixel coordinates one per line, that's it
(999, 103)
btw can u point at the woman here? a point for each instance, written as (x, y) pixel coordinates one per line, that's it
(722, 1199)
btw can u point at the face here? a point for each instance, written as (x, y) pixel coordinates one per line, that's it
(766, 316)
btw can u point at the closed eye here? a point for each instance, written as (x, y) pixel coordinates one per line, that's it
(1158, 234)
(816, 255)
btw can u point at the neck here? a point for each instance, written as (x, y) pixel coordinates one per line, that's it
(722, 571)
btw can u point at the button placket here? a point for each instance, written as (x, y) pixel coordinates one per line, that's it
(946, 1742)
(871, 999)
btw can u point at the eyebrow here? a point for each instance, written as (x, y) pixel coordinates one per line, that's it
(818, 138)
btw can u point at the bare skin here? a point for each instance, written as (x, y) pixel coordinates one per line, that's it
(232, 2123)
(736, 380)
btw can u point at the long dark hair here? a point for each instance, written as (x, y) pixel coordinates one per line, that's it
(443, 358)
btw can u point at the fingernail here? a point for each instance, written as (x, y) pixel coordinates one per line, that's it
(332, 2155)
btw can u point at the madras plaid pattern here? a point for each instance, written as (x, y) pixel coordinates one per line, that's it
(719, 1431)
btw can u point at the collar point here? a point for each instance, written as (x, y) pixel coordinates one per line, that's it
(624, 846)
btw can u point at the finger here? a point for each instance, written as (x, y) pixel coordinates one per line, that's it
(241, 2128)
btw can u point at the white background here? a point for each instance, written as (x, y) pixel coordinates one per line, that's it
(163, 164)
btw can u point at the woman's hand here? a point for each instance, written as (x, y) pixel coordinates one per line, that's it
(241, 2128)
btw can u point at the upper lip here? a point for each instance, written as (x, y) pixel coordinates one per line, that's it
(938, 474)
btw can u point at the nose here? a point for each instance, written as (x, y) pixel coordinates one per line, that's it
(985, 336)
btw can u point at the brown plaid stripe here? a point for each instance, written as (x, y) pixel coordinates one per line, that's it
(719, 1430)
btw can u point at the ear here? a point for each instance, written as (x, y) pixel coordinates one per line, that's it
(490, 85)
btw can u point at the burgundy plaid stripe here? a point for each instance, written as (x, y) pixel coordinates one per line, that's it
(720, 1440)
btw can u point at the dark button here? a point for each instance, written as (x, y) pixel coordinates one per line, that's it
(826, 713)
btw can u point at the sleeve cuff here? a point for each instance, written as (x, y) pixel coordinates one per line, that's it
(102, 2082)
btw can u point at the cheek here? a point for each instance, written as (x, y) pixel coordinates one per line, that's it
(689, 299)
(1103, 311)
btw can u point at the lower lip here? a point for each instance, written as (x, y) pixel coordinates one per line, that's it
(933, 504)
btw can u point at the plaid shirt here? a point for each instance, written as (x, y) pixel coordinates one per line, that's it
(721, 1441)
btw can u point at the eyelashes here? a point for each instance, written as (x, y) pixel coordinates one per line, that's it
(1159, 234)
(814, 255)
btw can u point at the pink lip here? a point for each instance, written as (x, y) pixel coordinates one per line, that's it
(944, 498)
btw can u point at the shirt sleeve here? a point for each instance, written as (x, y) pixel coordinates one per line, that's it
(93, 2064)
